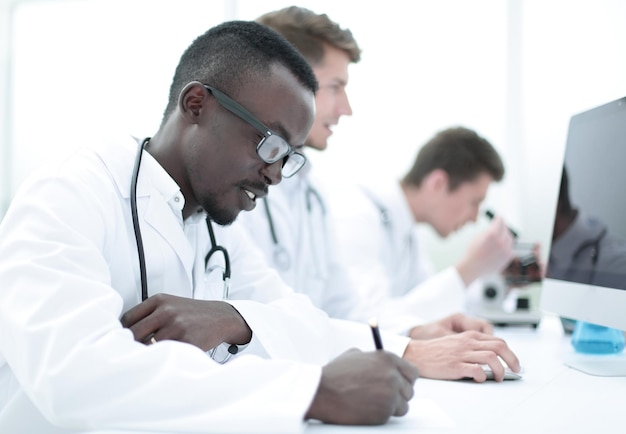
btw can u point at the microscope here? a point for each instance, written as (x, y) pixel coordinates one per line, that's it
(511, 297)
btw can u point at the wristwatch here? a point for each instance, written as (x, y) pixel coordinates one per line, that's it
(225, 351)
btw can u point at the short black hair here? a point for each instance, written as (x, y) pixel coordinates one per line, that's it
(230, 54)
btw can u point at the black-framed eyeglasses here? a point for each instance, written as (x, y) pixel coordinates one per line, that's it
(272, 147)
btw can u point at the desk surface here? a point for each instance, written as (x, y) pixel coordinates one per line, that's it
(551, 397)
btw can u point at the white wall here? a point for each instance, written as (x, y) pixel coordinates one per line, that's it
(573, 60)
(514, 71)
(84, 67)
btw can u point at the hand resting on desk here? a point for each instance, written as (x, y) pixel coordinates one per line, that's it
(456, 346)
(461, 355)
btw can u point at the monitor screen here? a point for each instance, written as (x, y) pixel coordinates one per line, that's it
(586, 270)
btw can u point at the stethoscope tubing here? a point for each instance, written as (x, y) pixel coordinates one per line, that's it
(139, 241)
(282, 258)
(136, 228)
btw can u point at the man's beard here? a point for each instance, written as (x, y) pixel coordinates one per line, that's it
(217, 214)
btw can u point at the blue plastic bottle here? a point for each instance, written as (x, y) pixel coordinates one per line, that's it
(595, 339)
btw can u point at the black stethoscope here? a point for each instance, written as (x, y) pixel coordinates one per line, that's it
(282, 258)
(215, 248)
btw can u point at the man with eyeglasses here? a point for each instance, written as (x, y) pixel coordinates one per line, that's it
(83, 244)
(272, 147)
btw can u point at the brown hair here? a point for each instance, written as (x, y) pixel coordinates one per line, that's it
(309, 32)
(461, 153)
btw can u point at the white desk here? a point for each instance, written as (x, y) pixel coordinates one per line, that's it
(551, 398)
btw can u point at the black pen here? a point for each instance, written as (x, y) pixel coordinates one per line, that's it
(376, 334)
(491, 215)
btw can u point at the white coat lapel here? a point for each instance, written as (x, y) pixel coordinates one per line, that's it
(152, 205)
(160, 216)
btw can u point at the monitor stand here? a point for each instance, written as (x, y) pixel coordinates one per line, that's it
(599, 350)
(601, 365)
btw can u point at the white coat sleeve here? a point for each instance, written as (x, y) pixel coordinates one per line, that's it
(66, 361)
(352, 334)
(362, 238)
(343, 299)
(285, 324)
(365, 241)
(438, 296)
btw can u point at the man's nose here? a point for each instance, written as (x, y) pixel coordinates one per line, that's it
(273, 172)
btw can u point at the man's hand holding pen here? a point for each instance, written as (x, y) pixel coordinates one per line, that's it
(364, 388)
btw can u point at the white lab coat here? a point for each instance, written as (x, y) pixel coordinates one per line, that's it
(305, 236)
(389, 262)
(69, 269)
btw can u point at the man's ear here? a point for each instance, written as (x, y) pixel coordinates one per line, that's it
(437, 180)
(192, 100)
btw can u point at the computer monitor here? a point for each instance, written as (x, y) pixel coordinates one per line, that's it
(586, 271)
